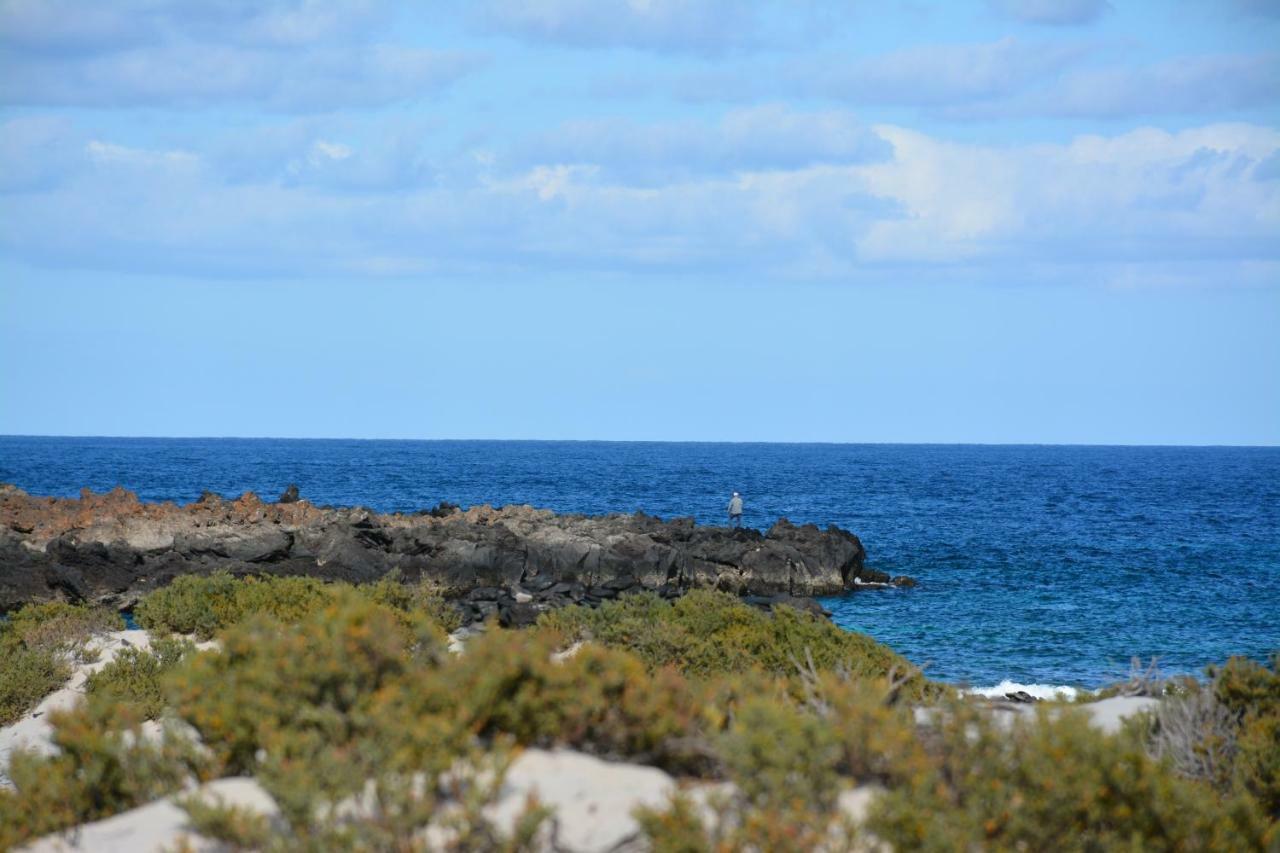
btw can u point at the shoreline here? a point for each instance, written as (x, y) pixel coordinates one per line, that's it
(511, 562)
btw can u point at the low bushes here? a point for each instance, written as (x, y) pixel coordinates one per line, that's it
(205, 604)
(1226, 734)
(26, 677)
(423, 598)
(706, 633)
(58, 626)
(37, 646)
(290, 686)
(1049, 783)
(790, 751)
(345, 705)
(599, 700)
(296, 704)
(106, 763)
(1251, 693)
(1053, 783)
(133, 677)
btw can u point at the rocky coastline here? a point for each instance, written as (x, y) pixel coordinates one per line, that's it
(511, 562)
(251, 713)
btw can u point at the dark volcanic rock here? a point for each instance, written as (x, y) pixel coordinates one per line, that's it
(112, 548)
(518, 615)
(290, 495)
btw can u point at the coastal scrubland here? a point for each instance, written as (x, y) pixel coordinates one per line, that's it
(348, 707)
(38, 646)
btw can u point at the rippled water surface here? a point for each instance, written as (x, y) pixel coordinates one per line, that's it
(1048, 565)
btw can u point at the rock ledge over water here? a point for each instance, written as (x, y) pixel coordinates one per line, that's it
(112, 549)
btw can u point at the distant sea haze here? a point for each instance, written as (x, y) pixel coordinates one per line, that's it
(1037, 564)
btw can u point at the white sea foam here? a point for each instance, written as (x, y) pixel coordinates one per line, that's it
(1040, 691)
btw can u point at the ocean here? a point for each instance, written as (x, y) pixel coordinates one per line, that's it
(1039, 566)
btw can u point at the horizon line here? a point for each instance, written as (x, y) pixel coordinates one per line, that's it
(637, 441)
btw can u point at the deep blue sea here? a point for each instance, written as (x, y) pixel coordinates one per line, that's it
(1037, 564)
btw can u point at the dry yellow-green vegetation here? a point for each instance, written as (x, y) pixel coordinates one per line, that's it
(1251, 694)
(708, 633)
(1055, 783)
(331, 694)
(38, 645)
(202, 605)
(133, 677)
(106, 765)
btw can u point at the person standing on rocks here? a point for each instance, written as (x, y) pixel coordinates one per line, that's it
(735, 510)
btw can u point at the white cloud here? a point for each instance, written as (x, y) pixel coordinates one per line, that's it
(759, 138)
(110, 155)
(1146, 195)
(331, 150)
(386, 155)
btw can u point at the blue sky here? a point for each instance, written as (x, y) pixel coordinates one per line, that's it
(1004, 221)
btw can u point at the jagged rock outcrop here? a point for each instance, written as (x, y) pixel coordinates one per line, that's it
(112, 548)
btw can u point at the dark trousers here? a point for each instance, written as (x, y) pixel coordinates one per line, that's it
(735, 520)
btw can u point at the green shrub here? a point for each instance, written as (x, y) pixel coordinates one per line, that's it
(203, 605)
(706, 633)
(1248, 687)
(275, 684)
(105, 764)
(781, 757)
(38, 644)
(1251, 691)
(1053, 783)
(349, 696)
(599, 700)
(876, 732)
(783, 762)
(680, 828)
(238, 827)
(333, 694)
(26, 677)
(58, 626)
(297, 704)
(1225, 733)
(676, 829)
(423, 598)
(133, 677)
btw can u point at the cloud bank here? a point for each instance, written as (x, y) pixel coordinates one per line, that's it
(632, 137)
(819, 195)
(290, 55)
